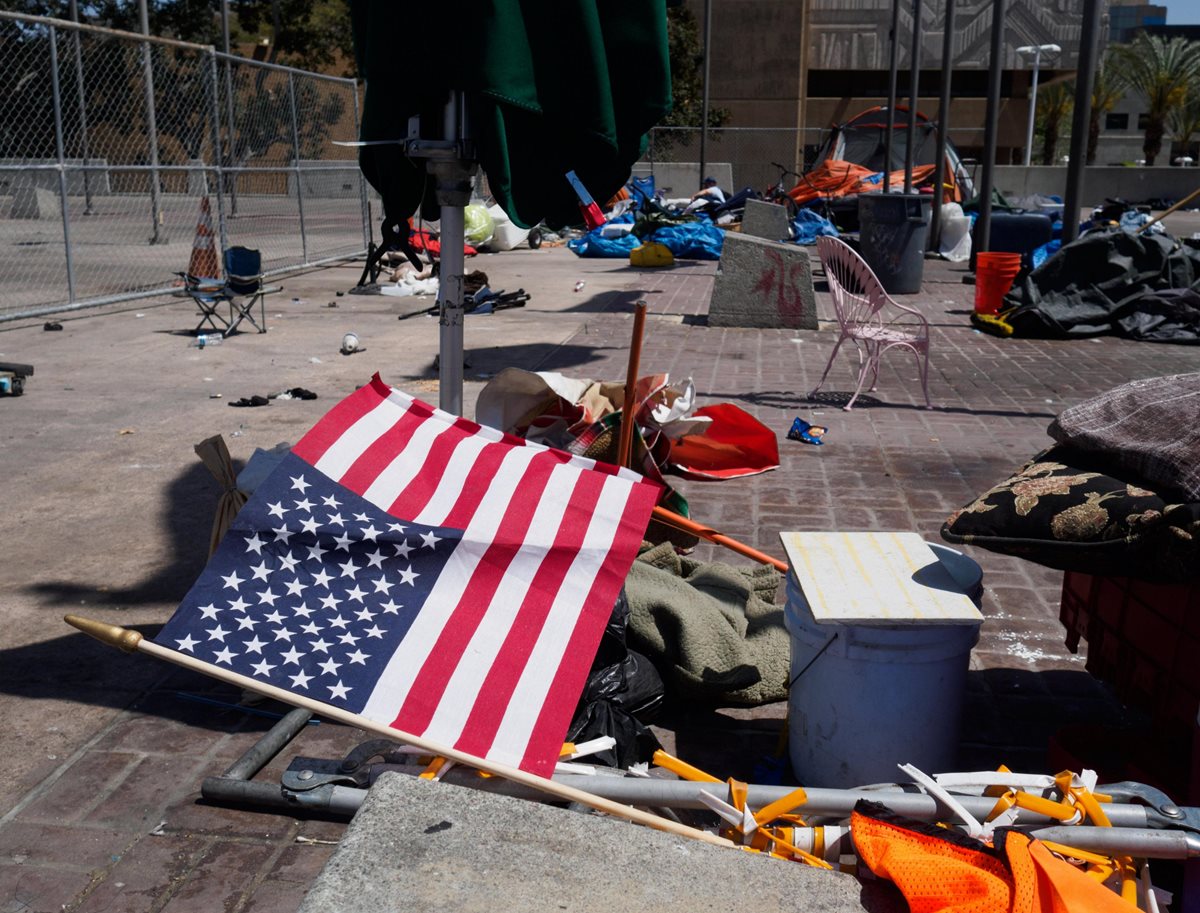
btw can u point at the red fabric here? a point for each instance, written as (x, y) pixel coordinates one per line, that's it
(735, 444)
(424, 240)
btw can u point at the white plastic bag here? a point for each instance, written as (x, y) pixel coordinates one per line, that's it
(955, 241)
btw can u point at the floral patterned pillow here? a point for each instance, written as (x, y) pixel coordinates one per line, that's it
(1059, 511)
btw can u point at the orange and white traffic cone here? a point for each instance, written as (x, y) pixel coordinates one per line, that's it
(203, 264)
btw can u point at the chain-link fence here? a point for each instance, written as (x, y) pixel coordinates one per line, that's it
(111, 144)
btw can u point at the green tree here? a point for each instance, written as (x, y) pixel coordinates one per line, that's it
(687, 73)
(1110, 85)
(1054, 105)
(1184, 122)
(1160, 69)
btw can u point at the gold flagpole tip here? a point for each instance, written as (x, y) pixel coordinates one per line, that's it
(113, 635)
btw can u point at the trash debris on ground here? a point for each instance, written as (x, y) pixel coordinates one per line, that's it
(1110, 281)
(251, 401)
(294, 393)
(809, 225)
(207, 340)
(809, 434)
(51, 325)
(351, 344)
(12, 377)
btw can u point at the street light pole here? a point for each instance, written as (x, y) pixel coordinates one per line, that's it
(1036, 50)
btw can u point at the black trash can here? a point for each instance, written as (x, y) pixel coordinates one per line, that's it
(892, 233)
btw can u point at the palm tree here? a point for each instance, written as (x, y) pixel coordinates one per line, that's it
(1109, 87)
(1160, 69)
(1053, 106)
(1184, 121)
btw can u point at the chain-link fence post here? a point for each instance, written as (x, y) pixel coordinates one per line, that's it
(214, 119)
(151, 128)
(62, 162)
(83, 122)
(296, 163)
(368, 228)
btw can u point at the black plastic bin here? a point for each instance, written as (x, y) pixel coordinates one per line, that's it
(892, 232)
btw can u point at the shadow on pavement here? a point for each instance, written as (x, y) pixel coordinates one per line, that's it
(185, 527)
(786, 399)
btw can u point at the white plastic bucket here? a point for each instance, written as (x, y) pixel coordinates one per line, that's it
(865, 698)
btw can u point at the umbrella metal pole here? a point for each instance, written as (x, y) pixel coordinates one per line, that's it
(913, 91)
(983, 224)
(935, 219)
(1086, 70)
(891, 102)
(453, 177)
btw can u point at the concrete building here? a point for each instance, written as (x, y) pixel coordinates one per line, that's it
(807, 65)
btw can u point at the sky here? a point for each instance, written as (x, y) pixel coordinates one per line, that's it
(1182, 12)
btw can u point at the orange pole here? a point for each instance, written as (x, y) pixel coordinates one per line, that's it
(625, 441)
(705, 532)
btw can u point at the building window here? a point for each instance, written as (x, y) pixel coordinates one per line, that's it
(1143, 121)
(1116, 122)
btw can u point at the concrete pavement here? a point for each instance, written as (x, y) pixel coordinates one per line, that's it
(107, 513)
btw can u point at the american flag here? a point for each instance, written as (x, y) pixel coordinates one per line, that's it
(425, 572)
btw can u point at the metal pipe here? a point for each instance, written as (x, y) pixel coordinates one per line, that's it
(66, 24)
(1140, 842)
(891, 101)
(282, 68)
(983, 223)
(1085, 76)
(296, 166)
(935, 218)
(704, 92)
(1037, 63)
(62, 171)
(249, 169)
(450, 283)
(685, 794)
(913, 94)
(151, 124)
(83, 123)
(272, 742)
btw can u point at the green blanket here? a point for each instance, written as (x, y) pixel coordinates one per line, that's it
(712, 630)
(551, 88)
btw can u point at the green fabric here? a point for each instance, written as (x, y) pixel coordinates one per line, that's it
(713, 631)
(551, 87)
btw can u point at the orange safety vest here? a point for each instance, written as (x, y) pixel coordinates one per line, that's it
(940, 870)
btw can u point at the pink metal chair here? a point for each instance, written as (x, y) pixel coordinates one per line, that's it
(869, 318)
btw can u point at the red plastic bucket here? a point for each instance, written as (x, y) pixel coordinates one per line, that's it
(994, 275)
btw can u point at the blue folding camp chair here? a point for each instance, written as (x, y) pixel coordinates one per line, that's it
(240, 290)
(244, 288)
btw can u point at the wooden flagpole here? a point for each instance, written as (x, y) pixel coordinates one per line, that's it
(625, 448)
(132, 641)
(625, 441)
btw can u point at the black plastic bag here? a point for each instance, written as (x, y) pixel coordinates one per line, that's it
(622, 693)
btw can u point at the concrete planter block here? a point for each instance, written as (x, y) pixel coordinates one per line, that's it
(34, 203)
(765, 220)
(763, 283)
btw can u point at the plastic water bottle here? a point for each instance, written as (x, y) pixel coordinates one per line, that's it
(207, 339)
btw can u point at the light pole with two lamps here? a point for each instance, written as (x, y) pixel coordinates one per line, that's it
(1036, 50)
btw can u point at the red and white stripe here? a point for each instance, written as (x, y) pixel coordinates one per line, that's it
(494, 663)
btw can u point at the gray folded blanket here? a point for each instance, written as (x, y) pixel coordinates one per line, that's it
(712, 630)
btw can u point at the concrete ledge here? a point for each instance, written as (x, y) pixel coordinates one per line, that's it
(34, 203)
(420, 845)
(763, 284)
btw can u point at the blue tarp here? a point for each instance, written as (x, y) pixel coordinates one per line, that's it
(809, 226)
(700, 240)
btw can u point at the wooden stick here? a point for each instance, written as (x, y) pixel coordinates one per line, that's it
(670, 518)
(1166, 212)
(130, 641)
(625, 441)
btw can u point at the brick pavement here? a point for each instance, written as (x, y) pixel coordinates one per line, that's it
(101, 809)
